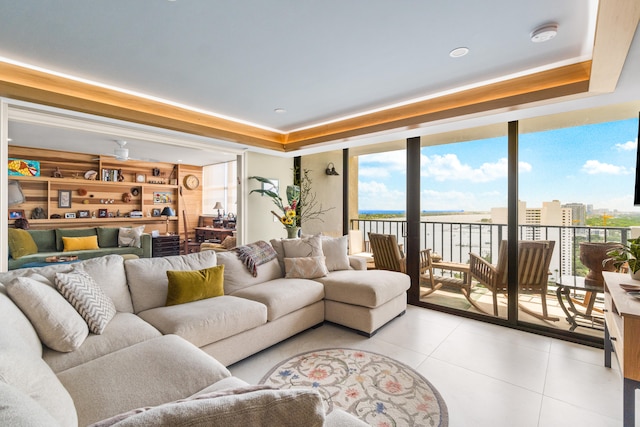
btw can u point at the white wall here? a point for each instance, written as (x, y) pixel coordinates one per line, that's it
(328, 190)
(260, 224)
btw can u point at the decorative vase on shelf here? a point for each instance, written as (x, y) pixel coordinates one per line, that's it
(634, 276)
(292, 232)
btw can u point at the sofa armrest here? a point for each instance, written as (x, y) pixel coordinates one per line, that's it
(145, 244)
(357, 263)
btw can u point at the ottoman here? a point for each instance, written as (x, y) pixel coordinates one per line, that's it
(364, 300)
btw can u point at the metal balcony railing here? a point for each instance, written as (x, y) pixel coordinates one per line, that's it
(455, 240)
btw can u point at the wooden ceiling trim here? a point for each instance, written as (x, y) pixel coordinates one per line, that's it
(39, 87)
(615, 29)
(562, 81)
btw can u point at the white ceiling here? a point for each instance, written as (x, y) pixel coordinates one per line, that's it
(319, 60)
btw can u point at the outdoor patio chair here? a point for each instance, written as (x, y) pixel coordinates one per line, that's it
(426, 274)
(386, 252)
(534, 258)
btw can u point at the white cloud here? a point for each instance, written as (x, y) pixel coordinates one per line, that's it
(375, 195)
(449, 168)
(382, 165)
(373, 172)
(593, 167)
(627, 146)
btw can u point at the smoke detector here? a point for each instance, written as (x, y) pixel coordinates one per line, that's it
(544, 33)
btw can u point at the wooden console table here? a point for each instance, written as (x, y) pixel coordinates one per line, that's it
(622, 336)
(216, 234)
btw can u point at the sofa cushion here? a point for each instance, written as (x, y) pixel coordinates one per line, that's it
(236, 275)
(248, 406)
(58, 324)
(124, 330)
(45, 239)
(179, 369)
(108, 236)
(16, 331)
(187, 286)
(21, 243)
(87, 243)
(370, 288)
(84, 294)
(305, 267)
(108, 272)
(72, 232)
(335, 250)
(31, 375)
(283, 296)
(208, 320)
(147, 277)
(130, 236)
(18, 409)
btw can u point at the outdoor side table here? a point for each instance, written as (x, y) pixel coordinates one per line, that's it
(575, 316)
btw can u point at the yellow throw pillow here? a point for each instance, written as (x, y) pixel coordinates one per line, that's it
(80, 243)
(187, 286)
(21, 243)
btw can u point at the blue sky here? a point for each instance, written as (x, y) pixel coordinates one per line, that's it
(591, 164)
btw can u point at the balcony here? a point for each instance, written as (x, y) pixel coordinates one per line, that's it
(453, 241)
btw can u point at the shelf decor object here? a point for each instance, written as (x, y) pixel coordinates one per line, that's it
(20, 167)
(64, 199)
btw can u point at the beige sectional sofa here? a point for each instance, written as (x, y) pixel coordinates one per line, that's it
(150, 354)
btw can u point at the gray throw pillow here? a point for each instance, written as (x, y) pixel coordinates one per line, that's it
(95, 307)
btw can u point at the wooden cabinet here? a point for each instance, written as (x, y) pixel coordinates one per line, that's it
(215, 235)
(165, 246)
(622, 337)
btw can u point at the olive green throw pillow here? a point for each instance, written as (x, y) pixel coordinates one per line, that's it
(187, 286)
(21, 243)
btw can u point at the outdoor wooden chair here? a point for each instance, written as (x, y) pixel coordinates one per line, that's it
(534, 258)
(426, 274)
(386, 252)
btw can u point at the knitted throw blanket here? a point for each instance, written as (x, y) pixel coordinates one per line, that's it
(255, 254)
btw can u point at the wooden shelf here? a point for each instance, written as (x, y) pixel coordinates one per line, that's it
(43, 191)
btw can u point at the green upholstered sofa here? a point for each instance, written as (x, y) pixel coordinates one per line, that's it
(49, 243)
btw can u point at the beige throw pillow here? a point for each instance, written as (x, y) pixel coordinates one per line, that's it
(305, 267)
(95, 307)
(130, 237)
(295, 248)
(335, 250)
(58, 324)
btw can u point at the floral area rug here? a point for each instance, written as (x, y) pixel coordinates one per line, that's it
(380, 391)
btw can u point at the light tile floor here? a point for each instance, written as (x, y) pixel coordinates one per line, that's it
(488, 375)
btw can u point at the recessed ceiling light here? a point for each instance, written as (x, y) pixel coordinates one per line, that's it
(280, 110)
(459, 52)
(544, 33)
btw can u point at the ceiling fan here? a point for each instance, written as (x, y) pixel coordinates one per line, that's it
(120, 152)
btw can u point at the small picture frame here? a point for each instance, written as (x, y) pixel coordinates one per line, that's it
(156, 212)
(64, 199)
(16, 213)
(69, 215)
(103, 213)
(162, 197)
(83, 214)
